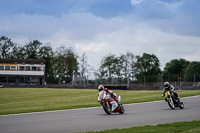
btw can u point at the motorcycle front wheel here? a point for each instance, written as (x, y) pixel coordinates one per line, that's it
(181, 105)
(106, 108)
(121, 109)
(171, 103)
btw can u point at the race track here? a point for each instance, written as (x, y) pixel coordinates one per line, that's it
(92, 119)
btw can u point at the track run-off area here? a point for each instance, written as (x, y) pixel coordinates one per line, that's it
(93, 119)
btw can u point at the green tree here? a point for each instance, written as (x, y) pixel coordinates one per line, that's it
(147, 66)
(132, 60)
(117, 68)
(101, 74)
(108, 65)
(6, 46)
(192, 72)
(65, 63)
(174, 69)
(127, 61)
(46, 53)
(83, 64)
(122, 68)
(18, 52)
(32, 49)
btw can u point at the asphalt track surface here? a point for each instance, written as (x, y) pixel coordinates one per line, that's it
(93, 119)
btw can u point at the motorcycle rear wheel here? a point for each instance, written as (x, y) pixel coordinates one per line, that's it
(106, 108)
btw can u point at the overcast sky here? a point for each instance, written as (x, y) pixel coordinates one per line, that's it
(170, 29)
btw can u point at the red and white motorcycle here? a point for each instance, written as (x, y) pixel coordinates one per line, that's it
(109, 104)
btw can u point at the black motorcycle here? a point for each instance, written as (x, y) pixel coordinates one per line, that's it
(173, 101)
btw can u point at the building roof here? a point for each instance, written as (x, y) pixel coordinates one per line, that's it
(23, 61)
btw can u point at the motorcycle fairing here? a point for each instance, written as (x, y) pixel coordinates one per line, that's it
(113, 103)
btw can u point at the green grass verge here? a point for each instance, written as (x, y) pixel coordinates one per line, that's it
(25, 100)
(177, 127)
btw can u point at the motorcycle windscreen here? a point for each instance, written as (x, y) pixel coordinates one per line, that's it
(101, 95)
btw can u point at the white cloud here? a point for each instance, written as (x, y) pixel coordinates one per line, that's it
(90, 47)
(98, 37)
(135, 2)
(144, 39)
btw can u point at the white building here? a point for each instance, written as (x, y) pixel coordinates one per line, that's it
(22, 71)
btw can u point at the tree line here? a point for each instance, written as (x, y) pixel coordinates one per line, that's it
(63, 61)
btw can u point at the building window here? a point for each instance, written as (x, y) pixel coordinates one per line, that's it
(21, 68)
(3, 79)
(31, 80)
(13, 68)
(39, 68)
(33, 68)
(7, 67)
(28, 68)
(21, 79)
(11, 79)
(1, 67)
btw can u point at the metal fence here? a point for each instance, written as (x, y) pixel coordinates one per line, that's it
(153, 80)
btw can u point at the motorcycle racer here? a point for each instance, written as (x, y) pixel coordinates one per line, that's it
(101, 87)
(108, 92)
(168, 87)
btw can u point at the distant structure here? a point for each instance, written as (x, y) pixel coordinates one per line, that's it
(22, 71)
(78, 79)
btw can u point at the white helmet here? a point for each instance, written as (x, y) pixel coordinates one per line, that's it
(166, 85)
(101, 87)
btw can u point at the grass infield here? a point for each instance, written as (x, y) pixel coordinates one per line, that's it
(25, 100)
(177, 127)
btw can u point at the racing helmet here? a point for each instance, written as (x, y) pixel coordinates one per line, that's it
(101, 87)
(166, 85)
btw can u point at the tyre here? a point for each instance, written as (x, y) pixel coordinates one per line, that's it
(121, 109)
(171, 103)
(106, 108)
(181, 105)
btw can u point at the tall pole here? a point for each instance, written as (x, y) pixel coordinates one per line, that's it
(95, 79)
(128, 82)
(87, 79)
(178, 80)
(161, 80)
